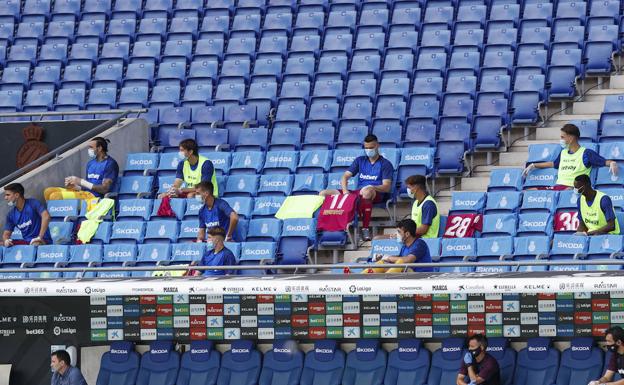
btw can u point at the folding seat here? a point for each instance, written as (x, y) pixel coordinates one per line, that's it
(164, 96)
(525, 102)
(22, 54)
(310, 18)
(120, 365)
(446, 361)
(92, 27)
(197, 95)
(62, 233)
(605, 179)
(317, 161)
(116, 256)
(45, 76)
(430, 64)
(499, 224)
(164, 231)
(304, 44)
(96, 8)
(569, 37)
(16, 75)
(461, 84)
(52, 54)
(541, 178)
(498, 59)
(567, 247)
(134, 209)
(187, 252)
(455, 131)
(159, 365)
(601, 44)
(468, 39)
(503, 202)
(256, 253)
(103, 234)
(264, 230)
(171, 73)
(83, 53)
(240, 364)
(342, 18)
(280, 162)
(133, 97)
(342, 159)
(241, 185)
(108, 75)
(388, 132)
(535, 38)
(10, 99)
(183, 27)
(298, 90)
(178, 207)
(204, 117)
(43, 98)
(402, 42)
(582, 360)
(246, 19)
(177, 50)
(275, 184)
(121, 29)
(494, 249)
(70, 99)
(334, 181)
(137, 186)
(415, 161)
(535, 223)
(351, 136)
(575, 10)
(419, 134)
(531, 248)
(50, 256)
(146, 50)
(102, 98)
(467, 202)
(199, 364)
(241, 46)
(66, 7)
(368, 41)
(128, 232)
(18, 256)
(470, 15)
(332, 63)
(151, 255)
(309, 183)
(209, 48)
(285, 138)
(230, 92)
(502, 37)
(365, 364)
(152, 29)
(31, 29)
(436, 38)
(537, 14)
(236, 68)
(504, 15)
(324, 364)
(604, 247)
(278, 18)
(407, 12)
(562, 73)
(337, 42)
(537, 362)
(267, 206)
(188, 232)
(33, 8)
(273, 44)
(539, 201)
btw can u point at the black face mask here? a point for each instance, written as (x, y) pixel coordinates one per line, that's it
(612, 348)
(475, 353)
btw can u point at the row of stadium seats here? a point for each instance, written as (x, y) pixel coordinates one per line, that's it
(368, 364)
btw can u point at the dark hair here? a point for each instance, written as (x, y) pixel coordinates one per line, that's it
(370, 138)
(101, 142)
(583, 179)
(217, 231)
(571, 129)
(616, 332)
(206, 186)
(190, 145)
(15, 188)
(480, 338)
(417, 180)
(62, 355)
(407, 225)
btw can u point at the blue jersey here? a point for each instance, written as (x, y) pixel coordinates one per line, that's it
(97, 171)
(590, 159)
(28, 221)
(419, 249)
(429, 211)
(218, 215)
(222, 258)
(371, 174)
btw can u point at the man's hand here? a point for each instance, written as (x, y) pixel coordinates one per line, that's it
(36, 241)
(613, 168)
(468, 359)
(345, 191)
(229, 238)
(72, 180)
(593, 383)
(528, 170)
(8, 242)
(581, 233)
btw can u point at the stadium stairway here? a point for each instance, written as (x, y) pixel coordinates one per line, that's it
(556, 115)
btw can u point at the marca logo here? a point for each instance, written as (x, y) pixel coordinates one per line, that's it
(439, 287)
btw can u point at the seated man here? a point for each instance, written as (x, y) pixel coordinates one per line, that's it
(192, 169)
(219, 255)
(595, 210)
(478, 366)
(374, 181)
(215, 212)
(614, 337)
(102, 172)
(574, 160)
(28, 215)
(63, 373)
(413, 250)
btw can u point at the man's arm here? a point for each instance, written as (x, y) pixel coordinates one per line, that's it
(201, 234)
(460, 379)
(384, 187)
(102, 188)
(429, 211)
(544, 165)
(606, 229)
(607, 208)
(344, 181)
(232, 227)
(608, 376)
(410, 258)
(45, 222)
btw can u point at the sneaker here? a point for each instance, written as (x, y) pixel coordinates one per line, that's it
(366, 234)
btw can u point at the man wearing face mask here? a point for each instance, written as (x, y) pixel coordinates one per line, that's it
(63, 372)
(102, 172)
(574, 160)
(215, 212)
(192, 169)
(219, 255)
(595, 210)
(615, 344)
(28, 215)
(413, 250)
(425, 209)
(478, 367)
(374, 181)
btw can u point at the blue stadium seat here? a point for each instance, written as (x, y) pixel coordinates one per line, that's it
(567, 247)
(241, 185)
(539, 201)
(241, 364)
(309, 183)
(187, 252)
(17, 256)
(62, 233)
(538, 362)
(498, 347)
(264, 230)
(83, 256)
(159, 365)
(64, 209)
(134, 209)
(503, 202)
(582, 361)
(455, 250)
(446, 362)
(128, 232)
(120, 365)
(199, 364)
(163, 231)
(136, 186)
(535, 223)
(408, 364)
(151, 255)
(366, 364)
(544, 177)
(604, 247)
(499, 224)
(467, 202)
(282, 365)
(324, 364)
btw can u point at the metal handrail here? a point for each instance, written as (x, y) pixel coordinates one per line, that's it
(312, 266)
(69, 145)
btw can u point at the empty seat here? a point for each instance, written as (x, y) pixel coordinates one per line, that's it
(366, 364)
(120, 365)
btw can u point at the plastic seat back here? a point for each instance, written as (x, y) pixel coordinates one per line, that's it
(159, 365)
(120, 365)
(282, 365)
(446, 362)
(366, 364)
(408, 364)
(537, 363)
(580, 363)
(199, 365)
(240, 365)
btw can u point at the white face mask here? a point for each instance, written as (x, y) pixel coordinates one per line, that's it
(10, 203)
(199, 198)
(181, 155)
(410, 194)
(563, 143)
(577, 191)
(91, 152)
(370, 152)
(399, 238)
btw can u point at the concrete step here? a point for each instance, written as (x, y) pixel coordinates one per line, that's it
(568, 117)
(588, 107)
(513, 159)
(523, 145)
(485, 171)
(552, 132)
(617, 81)
(474, 183)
